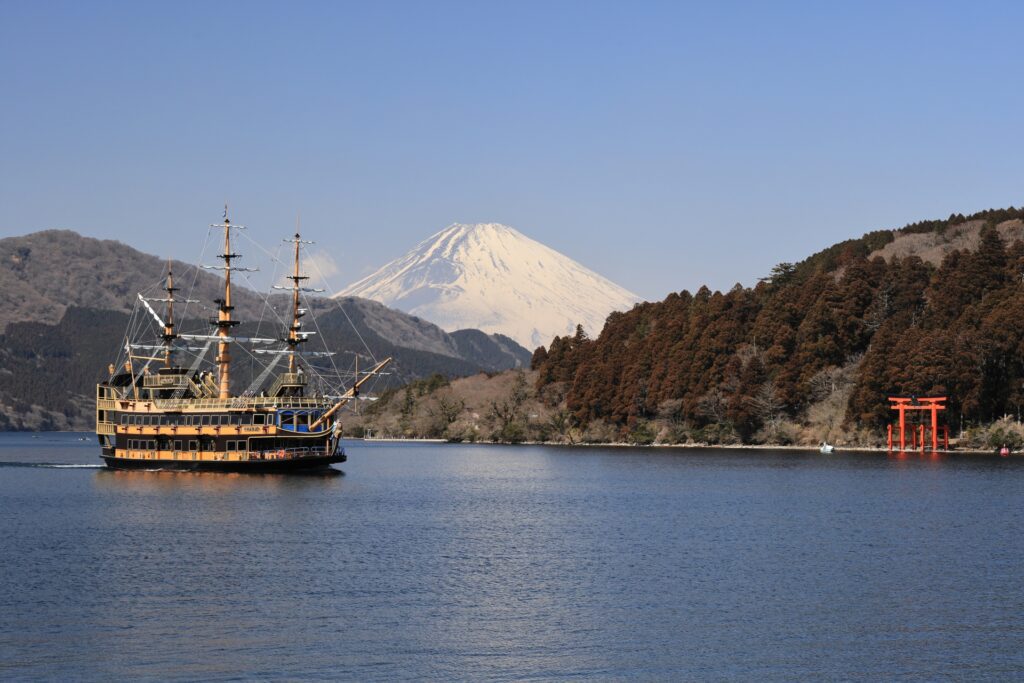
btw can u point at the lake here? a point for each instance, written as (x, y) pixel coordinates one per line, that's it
(436, 561)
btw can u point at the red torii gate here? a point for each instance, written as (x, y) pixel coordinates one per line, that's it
(903, 404)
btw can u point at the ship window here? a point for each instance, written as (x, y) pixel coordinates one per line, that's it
(206, 419)
(124, 419)
(258, 419)
(177, 445)
(193, 445)
(236, 419)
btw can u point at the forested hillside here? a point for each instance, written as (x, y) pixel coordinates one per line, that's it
(819, 344)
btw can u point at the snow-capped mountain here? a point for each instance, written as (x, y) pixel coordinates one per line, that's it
(494, 278)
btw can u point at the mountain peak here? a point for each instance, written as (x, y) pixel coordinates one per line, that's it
(494, 278)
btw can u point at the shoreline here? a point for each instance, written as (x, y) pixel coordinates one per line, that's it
(617, 444)
(724, 447)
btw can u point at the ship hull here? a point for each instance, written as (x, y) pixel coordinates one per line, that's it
(306, 464)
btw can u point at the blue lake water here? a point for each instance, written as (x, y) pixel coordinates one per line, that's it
(507, 563)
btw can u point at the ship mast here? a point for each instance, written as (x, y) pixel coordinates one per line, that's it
(169, 335)
(294, 338)
(224, 322)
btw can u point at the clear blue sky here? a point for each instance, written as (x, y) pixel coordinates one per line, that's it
(665, 145)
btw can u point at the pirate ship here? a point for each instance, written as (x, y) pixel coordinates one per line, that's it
(185, 417)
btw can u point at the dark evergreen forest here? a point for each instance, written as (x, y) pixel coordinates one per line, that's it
(739, 362)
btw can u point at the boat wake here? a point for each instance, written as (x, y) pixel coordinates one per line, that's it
(51, 465)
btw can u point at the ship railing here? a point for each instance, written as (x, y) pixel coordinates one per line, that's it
(288, 453)
(237, 403)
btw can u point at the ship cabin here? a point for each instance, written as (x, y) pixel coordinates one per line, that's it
(177, 415)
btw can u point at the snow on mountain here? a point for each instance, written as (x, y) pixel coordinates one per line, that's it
(494, 278)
